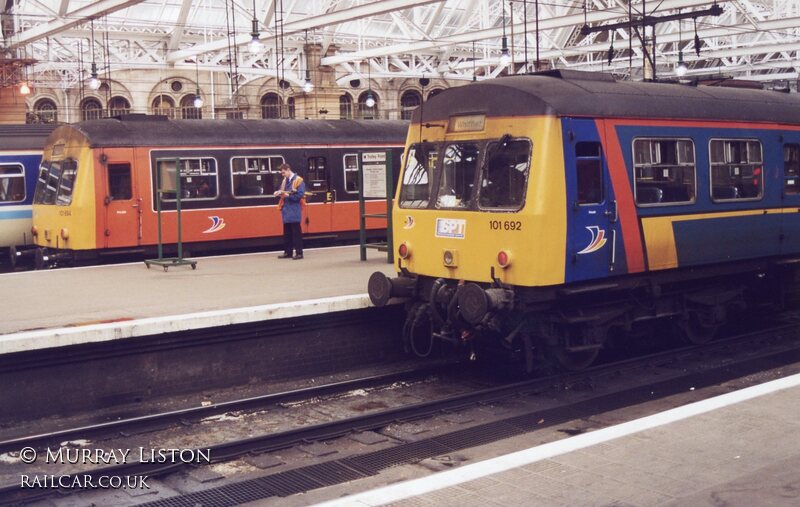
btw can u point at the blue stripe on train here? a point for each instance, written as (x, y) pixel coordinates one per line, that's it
(15, 214)
(727, 238)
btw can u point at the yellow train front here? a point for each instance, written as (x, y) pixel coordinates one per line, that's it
(539, 215)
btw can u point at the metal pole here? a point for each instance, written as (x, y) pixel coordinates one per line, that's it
(158, 214)
(389, 196)
(178, 204)
(362, 222)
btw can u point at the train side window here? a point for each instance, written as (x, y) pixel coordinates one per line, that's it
(351, 173)
(12, 183)
(69, 170)
(736, 170)
(589, 173)
(664, 171)
(198, 178)
(119, 182)
(317, 174)
(459, 165)
(505, 174)
(791, 169)
(256, 176)
(415, 190)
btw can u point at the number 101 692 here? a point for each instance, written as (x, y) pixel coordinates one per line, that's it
(505, 225)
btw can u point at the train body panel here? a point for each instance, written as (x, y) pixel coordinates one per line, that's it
(464, 244)
(226, 190)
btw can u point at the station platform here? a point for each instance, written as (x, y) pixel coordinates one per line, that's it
(70, 306)
(738, 448)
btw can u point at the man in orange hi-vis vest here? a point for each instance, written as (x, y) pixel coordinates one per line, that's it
(292, 194)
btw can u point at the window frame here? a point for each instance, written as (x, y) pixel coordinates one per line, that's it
(694, 179)
(21, 176)
(68, 164)
(270, 171)
(429, 173)
(603, 185)
(183, 159)
(785, 177)
(484, 162)
(711, 170)
(470, 204)
(345, 170)
(310, 188)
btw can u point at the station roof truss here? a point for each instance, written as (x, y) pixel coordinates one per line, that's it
(398, 39)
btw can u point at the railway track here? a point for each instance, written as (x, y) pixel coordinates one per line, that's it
(725, 359)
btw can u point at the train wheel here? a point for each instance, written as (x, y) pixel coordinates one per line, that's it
(40, 259)
(694, 331)
(576, 360)
(12, 256)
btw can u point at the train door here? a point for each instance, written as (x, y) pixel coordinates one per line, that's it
(122, 202)
(790, 194)
(593, 233)
(320, 193)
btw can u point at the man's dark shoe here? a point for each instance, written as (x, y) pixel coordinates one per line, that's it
(285, 256)
(297, 257)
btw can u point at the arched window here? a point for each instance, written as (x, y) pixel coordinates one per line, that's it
(365, 112)
(290, 108)
(118, 106)
(188, 111)
(163, 104)
(45, 111)
(434, 92)
(270, 106)
(91, 109)
(410, 100)
(346, 107)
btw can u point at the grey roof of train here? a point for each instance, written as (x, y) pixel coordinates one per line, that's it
(140, 130)
(594, 95)
(24, 137)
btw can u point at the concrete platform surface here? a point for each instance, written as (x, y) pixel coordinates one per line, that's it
(736, 449)
(110, 298)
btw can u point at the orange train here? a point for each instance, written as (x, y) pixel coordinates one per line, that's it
(97, 187)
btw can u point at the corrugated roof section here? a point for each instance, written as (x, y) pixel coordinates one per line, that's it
(585, 96)
(159, 132)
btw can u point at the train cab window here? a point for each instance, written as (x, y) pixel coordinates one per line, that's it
(589, 173)
(12, 183)
(41, 183)
(317, 174)
(791, 169)
(664, 171)
(351, 173)
(415, 191)
(504, 175)
(736, 170)
(69, 170)
(119, 182)
(198, 178)
(256, 176)
(457, 182)
(53, 178)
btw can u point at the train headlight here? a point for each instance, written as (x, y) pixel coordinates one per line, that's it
(404, 251)
(504, 259)
(450, 258)
(64, 233)
(35, 231)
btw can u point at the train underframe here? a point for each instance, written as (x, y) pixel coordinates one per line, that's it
(530, 327)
